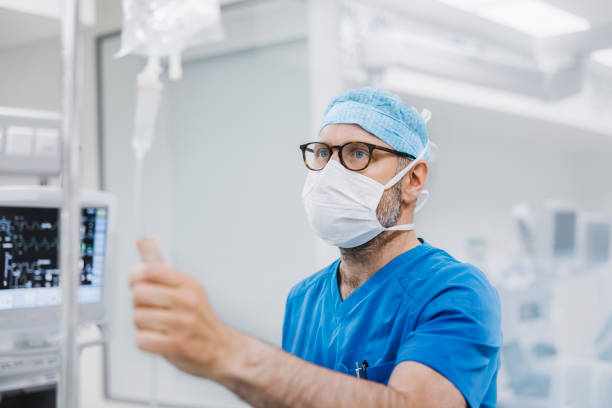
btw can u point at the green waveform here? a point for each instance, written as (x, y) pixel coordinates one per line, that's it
(19, 225)
(20, 243)
(35, 225)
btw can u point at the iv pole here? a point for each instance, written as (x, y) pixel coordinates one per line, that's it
(68, 386)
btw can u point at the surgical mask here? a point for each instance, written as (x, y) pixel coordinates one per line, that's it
(341, 204)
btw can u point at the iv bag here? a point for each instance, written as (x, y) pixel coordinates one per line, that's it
(164, 28)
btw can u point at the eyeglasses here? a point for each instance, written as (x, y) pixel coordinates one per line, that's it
(354, 156)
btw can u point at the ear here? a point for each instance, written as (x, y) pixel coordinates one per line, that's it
(413, 183)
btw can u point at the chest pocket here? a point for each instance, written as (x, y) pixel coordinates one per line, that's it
(381, 372)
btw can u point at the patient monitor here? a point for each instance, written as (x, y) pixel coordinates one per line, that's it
(30, 295)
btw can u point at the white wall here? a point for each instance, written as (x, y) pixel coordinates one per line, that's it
(30, 75)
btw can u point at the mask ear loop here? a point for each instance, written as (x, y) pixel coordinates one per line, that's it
(426, 115)
(423, 198)
(406, 169)
(425, 194)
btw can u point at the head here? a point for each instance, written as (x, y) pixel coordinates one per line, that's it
(380, 118)
(397, 204)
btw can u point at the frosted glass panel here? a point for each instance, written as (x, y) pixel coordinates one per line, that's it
(222, 195)
(237, 178)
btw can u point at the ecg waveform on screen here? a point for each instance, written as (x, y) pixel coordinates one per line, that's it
(34, 244)
(21, 225)
(29, 244)
(28, 247)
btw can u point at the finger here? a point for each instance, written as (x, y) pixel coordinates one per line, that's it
(153, 342)
(162, 274)
(151, 318)
(137, 275)
(149, 252)
(146, 294)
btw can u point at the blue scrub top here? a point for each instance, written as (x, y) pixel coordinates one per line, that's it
(422, 306)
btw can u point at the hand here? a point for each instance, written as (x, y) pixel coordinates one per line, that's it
(174, 319)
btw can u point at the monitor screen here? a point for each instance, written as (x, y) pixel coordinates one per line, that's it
(29, 256)
(598, 242)
(564, 234)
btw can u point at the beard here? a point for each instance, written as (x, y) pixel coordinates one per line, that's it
(387, 212)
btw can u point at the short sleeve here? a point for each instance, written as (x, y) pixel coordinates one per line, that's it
(287, 330)
(458, 334)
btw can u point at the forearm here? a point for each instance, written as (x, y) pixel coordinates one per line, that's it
(265, 376)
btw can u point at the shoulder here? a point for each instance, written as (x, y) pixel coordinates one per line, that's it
(436, 280)
(313, 283)
(433, 268)
(463, 287)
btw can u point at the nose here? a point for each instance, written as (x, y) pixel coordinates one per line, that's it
(335, 154)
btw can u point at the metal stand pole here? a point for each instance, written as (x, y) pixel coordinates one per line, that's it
(68, 387)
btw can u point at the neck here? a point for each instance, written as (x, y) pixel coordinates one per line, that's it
(360, 263)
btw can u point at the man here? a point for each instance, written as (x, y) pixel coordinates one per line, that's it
(394, 322)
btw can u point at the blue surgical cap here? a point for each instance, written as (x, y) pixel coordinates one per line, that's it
(384, 115)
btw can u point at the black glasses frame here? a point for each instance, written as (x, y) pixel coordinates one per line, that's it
(371, 148)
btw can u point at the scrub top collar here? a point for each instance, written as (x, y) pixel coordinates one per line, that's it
(373, 284)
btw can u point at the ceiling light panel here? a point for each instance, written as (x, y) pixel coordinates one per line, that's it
(469, 5)
(603, 57)
(532, 17)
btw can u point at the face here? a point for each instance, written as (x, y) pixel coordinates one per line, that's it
(382, 168)
(397, 203)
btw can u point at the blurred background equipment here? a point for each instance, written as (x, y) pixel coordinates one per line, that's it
(594, 242)
(549, 296)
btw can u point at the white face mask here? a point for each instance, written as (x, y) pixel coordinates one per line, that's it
(341, 204)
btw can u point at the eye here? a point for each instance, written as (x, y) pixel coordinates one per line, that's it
(360, 154)
(322, 153)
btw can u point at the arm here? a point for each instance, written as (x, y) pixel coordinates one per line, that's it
(265, 376)
(174, 319)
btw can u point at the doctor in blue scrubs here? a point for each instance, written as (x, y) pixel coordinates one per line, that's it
(393, 322)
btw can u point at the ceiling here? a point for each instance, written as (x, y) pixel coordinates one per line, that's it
(18, 28)
(596, 11)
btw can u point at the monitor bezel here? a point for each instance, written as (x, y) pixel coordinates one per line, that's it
(47, 318)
